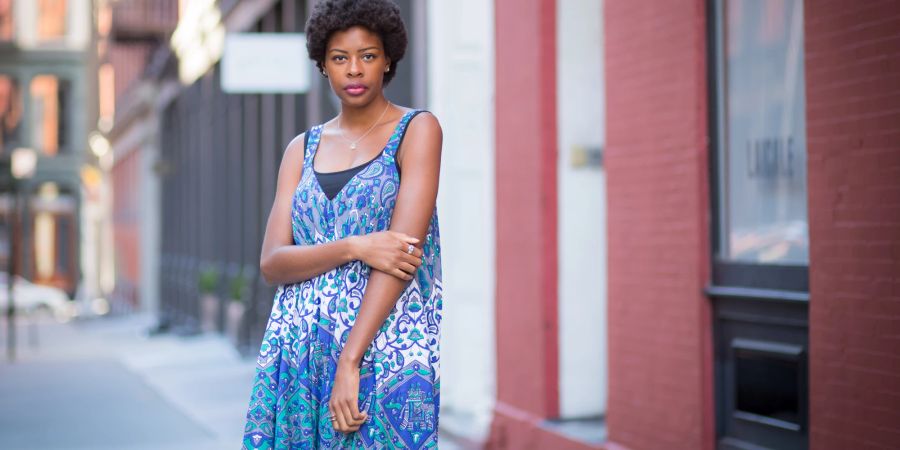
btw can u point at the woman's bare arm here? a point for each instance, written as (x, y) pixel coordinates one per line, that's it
(280, 260)
(283, 262)
(412, 214)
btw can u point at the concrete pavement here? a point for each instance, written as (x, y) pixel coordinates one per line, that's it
(103, 384)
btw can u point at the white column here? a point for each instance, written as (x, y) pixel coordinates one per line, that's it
(80, 21)
(582, 210)
(460, 92)
(25, 22)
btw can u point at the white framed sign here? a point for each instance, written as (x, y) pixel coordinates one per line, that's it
(265, 63)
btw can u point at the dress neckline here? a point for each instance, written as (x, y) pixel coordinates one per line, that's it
(315, 150)
(321, 128)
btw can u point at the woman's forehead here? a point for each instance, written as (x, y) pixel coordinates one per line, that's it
(354, 38)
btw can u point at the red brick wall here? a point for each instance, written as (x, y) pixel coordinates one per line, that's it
(660, 353)
(527, 345)
(129, 61)
(853, 125)
(126, 180)
(145, 17)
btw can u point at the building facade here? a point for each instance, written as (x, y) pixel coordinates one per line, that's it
(131, 34)
(666, 226)
(751, 181)
(46, 104)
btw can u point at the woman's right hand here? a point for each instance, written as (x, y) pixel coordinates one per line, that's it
(387, 251)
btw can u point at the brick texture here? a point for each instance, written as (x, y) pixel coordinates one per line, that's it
(660, 376)
(143, 18)
(526, 314)
(129, 59)
(526, 208)
(126, 179)
(853, 124)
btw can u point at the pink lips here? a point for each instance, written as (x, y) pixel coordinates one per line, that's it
(355, 89)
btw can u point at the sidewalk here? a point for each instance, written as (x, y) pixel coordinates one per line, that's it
(102, 384)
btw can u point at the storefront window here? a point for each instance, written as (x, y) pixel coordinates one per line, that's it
(47, 110)
(10, 113)
(51, 19)
(6, 20)
(762, 133)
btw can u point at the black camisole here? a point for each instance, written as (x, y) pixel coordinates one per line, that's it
(332, 182)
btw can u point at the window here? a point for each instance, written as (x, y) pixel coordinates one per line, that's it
(53, 236)
(768, 386)
(49, 96)
(6, 20)
(762, 134)
(10, 113)
(51, 19)
(760, 276)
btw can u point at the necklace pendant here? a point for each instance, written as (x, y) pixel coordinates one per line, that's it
(353, 146)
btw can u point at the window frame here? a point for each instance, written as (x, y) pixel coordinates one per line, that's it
(24, 69)
(67, 26)
(764, 303)
(788, 282)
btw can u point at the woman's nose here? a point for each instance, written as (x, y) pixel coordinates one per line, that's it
(354, 68)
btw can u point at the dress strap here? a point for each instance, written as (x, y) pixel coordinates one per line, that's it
(400, 132)
(311, 144)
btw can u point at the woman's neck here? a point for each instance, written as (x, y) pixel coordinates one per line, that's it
(354, 118)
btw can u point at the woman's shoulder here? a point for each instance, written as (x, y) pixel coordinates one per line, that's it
(416, 112)
(423, 121)
(297, 147)
(423, 134)
(420, 120)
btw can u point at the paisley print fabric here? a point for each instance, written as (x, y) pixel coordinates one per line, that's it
(310, 322)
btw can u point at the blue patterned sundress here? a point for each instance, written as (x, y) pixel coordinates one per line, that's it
(310, 322)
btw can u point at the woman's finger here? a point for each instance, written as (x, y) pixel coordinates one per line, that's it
(404, 247)
(341, 423)
(401, 236)
(412, 259)
(358, 417)
(350, 420)
(400, 274)
(407, 267)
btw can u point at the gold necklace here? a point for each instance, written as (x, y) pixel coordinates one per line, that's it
(353, 143)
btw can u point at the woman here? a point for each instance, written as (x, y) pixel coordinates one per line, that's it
(350, 356)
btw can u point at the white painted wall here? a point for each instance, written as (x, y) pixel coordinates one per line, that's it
(461, 94)
(582, 211)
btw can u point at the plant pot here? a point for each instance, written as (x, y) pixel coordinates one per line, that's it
(209, 312)
(233, 318)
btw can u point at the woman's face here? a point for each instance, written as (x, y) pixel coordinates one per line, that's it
(355, 63)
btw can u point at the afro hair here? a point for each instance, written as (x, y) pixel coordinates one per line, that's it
(381, 17)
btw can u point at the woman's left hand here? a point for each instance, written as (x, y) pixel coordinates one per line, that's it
(344, 405)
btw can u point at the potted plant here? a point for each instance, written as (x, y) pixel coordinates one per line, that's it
(236, 305)
(207, 281)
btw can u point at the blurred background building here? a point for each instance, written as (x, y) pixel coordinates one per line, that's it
(48, 104)
(664, 224)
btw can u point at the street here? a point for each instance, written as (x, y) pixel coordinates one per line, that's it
(103, 384)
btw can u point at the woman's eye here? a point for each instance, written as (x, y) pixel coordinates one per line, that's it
(337, 58)
(368, 57)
